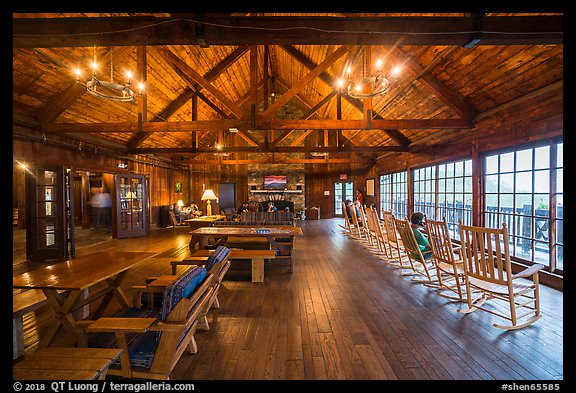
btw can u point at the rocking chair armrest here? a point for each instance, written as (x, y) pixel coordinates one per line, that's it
(528, 271)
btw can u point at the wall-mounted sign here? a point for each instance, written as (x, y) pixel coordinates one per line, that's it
(343, 176)
(326, 192)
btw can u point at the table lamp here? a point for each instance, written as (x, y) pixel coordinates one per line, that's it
(208, 194)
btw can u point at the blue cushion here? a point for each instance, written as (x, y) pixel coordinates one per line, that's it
(216, 257)
(182, 287)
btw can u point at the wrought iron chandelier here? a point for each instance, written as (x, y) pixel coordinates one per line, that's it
(358, 81)
(109, 89)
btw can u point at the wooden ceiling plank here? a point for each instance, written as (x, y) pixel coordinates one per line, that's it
(434, 86)
(303, 30)
(544, 90)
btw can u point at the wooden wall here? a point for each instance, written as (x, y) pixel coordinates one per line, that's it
(161, 176)
(490, 133)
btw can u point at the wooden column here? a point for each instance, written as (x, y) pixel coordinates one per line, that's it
(477, 187)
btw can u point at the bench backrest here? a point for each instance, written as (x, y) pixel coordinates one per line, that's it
(262, 218)
(218, 256)
(183, 287)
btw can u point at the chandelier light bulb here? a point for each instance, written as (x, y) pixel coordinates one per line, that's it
(108, 89)
(363, 83)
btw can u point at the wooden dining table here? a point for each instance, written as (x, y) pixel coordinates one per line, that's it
(275, 236)
(75, 283)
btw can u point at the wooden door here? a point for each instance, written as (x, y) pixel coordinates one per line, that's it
(46, 224)
(131, 210)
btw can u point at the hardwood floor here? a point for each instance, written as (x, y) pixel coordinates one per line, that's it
(343, 314)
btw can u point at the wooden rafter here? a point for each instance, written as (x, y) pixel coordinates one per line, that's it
(73, 92)
(331, 81)
(242, 125)
(222, 30)
(327, 62)
(192, 77)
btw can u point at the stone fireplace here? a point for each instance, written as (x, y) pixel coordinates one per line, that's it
(294, 187)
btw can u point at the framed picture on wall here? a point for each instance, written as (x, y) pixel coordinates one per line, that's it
(178, 187)
(370, 187)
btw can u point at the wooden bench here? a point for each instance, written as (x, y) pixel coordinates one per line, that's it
(256, 257)
(153, 340)
(53, 363)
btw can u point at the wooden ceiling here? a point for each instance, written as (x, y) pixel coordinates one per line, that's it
(272, 77)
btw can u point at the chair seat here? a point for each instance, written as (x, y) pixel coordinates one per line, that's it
(499, 288)
(447, 267)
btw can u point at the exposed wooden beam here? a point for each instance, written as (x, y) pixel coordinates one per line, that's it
(295, 30)
(397, 136)
(232, 161)
(58, 104)
(307, 115)
(259, 149)
(242, 125)
(327, 62)
(249, 138)
(301, 138)
(189, 72)
(188, 93)
(434, 86)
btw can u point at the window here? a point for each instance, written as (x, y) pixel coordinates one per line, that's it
(524, 190)
(394, 193)
(445, 191)
(424, 190)
(455, 194)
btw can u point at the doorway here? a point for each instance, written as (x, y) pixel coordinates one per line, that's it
(342, 190)
(227, 197)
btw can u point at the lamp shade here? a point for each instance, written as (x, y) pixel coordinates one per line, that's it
(180, 203)
(208, 194)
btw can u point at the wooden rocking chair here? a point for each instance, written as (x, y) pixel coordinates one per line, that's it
(398, 257)
(449, 266)
(347, 224)
(377, 231)
(488, 270)
(422, 263)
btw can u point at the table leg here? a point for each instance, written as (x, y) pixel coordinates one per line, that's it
(114, 290)
(193, 241)
(257, 269)
(63, 304)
